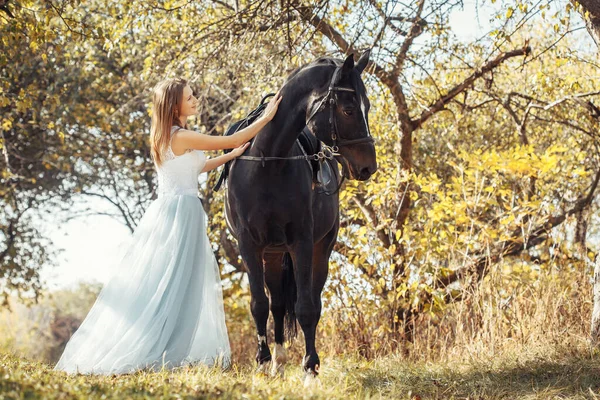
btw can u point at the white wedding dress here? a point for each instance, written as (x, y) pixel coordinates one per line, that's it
(163, 307)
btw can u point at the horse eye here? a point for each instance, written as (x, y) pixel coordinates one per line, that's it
(348, 112)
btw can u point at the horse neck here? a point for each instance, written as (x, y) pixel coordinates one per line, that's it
(278, 137)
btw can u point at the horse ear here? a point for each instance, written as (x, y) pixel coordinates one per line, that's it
(348, 65)
(363, 61)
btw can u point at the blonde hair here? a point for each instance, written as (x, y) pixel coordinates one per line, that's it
(167, 98)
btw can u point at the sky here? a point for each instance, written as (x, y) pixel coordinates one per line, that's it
(90, 243)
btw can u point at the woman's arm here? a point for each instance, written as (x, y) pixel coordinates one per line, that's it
(213, 163)
(185, 139)
(216, 162)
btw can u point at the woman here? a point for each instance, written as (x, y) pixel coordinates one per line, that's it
(164, 306)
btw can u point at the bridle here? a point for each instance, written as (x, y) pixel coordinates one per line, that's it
(330, 99)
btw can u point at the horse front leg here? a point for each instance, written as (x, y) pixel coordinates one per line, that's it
(306, 310)
(320, 264)
(259, 303)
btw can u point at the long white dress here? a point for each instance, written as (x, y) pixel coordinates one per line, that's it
(163, 307)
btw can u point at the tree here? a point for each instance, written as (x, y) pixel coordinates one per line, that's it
(591, 14)
(428, 75)
(75, 112)
(485, 147)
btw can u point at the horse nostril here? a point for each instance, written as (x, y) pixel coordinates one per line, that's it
(365, 173)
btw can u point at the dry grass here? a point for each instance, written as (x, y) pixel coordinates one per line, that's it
(539, 374)
(528, 341)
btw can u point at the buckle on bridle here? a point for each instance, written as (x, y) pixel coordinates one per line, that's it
(327, 153)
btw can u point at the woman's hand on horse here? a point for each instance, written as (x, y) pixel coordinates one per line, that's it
(271, 108)
(238, 151)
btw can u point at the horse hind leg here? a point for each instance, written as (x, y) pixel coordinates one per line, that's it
(274, 281)
(280, 359)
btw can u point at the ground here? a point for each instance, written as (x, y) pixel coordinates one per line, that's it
(540, 374)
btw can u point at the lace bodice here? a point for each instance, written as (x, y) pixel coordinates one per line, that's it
(179, 174)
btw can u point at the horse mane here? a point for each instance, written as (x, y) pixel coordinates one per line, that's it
(319, 61)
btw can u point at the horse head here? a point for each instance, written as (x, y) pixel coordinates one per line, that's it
(337, 114)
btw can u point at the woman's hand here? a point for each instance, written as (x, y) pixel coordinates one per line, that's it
(271, 109)
(238, 151)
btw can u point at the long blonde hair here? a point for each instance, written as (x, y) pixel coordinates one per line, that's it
(167, 98)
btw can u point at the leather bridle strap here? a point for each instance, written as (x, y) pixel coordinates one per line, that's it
(329, 98)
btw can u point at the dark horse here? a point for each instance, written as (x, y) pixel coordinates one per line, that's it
(286, 228)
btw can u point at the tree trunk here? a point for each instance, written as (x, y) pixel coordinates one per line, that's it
(591, 15)
(595, 331)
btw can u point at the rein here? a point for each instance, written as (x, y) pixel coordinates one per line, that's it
(326, 154)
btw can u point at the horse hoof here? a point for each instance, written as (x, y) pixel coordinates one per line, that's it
(310, 379)
(277, 370)
(263, 369)
(279, 361)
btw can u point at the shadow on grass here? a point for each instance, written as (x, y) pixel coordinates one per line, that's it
(568, 376)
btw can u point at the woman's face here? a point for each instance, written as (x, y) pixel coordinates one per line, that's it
(189, 103)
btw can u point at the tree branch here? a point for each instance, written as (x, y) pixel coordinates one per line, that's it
(415, 30)
(12, 235)
(387, 19)
(372, 219)
(516, 244)
(114, 203)
(157, 7)
(69, 28)
(441, 102)
(332, 34)
(4, 8)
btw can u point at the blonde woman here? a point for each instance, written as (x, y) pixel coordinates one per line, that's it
(163, 308)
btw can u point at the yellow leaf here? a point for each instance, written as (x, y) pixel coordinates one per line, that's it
(6, 124)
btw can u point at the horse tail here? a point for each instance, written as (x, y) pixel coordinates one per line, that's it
(289, 296)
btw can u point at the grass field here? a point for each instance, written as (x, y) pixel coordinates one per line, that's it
(523, 374)
(538, 348)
